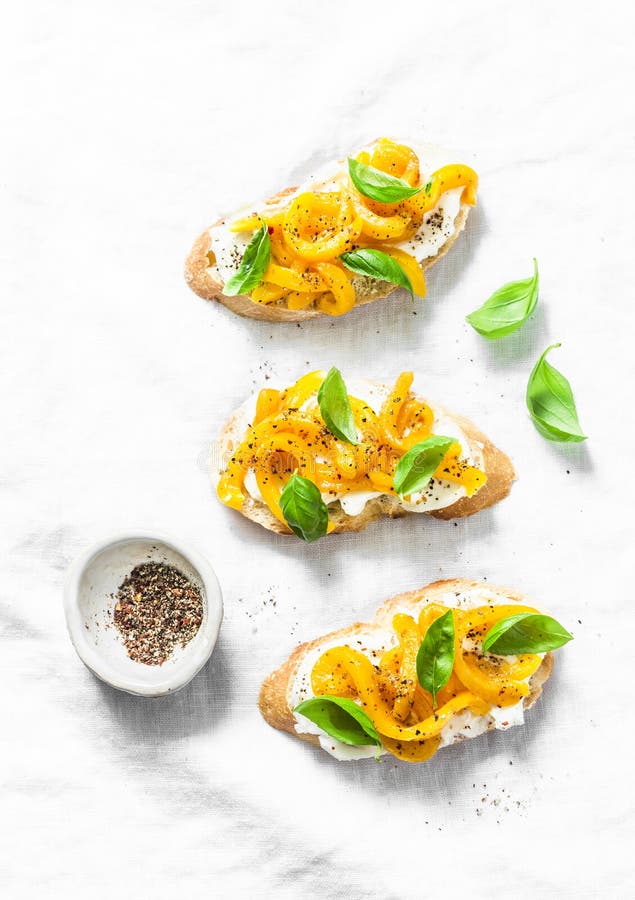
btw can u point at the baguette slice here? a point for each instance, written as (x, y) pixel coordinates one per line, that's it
(497, 466)
(275, 702)
(209, 286)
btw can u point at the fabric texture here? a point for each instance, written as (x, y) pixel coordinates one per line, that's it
(131, 127)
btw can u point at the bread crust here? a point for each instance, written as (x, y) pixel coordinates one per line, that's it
(203, 283)
(497, 465)
(274, 694)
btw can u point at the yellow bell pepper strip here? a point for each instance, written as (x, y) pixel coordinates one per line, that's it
(396, 159)
(429, 614)
(328, 676)
(254, 221)
(294, 281)
(502, 681)
(282, 253)
(320, 227)
(409, 641)
(413, 415)
(267, 404)
(268, 293)
(305, 387)
(286, 451)
(342, 297)
(412, 269)
(247, 223)
(445, 179)
(421, 706)
(302, 281)
(411, 751)
(381, 481)
(452, 689)
(390, 662)
(271, 484)
(452, 469)
(388, 221)
(389, 417)
(301, 299)
(379, 227)
(230, 491)
(346, 460)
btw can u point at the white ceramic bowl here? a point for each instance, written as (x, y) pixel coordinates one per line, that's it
(89, 598)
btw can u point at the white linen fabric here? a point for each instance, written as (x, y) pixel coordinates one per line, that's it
(130, 127)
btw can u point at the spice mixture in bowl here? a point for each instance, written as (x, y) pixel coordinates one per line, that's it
(143, 613)
(157, 610)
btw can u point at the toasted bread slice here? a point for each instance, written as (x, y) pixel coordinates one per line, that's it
(207, 284)
(497, 466)
(276, 703)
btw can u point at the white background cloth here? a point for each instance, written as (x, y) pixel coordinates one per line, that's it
(129, 128)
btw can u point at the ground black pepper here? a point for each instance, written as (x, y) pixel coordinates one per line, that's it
(157, 609)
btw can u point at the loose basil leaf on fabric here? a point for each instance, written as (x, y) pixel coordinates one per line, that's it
(435, 658)
(340, 718)
(550, 403)
(336, 408)
(525, 633)
(253, 264)
(376, 264)
(303, 508)
(507, 309)
(378, 185)
(416, 467)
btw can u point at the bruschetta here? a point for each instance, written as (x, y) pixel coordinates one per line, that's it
(352, 233)
(324, 456)
(435, 666)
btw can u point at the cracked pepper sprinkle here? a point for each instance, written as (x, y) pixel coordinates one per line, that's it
(157, 609)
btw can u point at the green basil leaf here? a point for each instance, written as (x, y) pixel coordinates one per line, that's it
(435, 658)
(376, 264)
(378, 185)
(253, 264)
(416, 467)
(336, 408)
(550, 403)
(303, 508)
(340, 718)
(525, 633)
(507, 309)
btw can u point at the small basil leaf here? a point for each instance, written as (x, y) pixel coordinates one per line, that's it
(416, 467)
(525, 633)
(507, 309)
(435, 658)
(336, 408)
(378, 185)
(252, 266)
(550, 403)
(376, 264)
(340, 718)
(303, 508)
